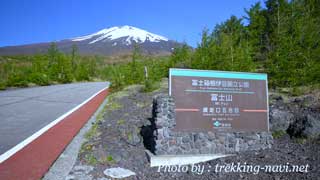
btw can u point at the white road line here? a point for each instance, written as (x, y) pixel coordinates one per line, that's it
(25, 142)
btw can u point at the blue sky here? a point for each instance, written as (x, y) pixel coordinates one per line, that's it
(32, 21)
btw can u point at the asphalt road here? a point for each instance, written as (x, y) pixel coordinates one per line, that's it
(25, 111)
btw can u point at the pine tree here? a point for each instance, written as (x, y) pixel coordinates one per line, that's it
(74, 57)
(53, 63)
(256, 30)
(181, 57)
(65, 69)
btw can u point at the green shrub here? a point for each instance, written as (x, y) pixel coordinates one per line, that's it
(2, 85)
(150, 85)
(90, 159)
(296, 91)
(17, 80)
(118, 80)
(39, 79)
(278, 134)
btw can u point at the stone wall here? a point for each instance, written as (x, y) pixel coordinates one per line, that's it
(171, 142)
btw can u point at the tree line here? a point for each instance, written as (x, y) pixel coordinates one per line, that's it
(55, 67)
(50, 68)
(281, 39)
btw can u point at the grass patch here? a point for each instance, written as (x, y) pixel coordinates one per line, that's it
(132, 88)
(129, 137)
(119, 94)
(112, 101)
(86, 147)
(93, 132)
(126, 91)
(113, 98)
(150, 85)
(162, 84)
(121, 122)
(110, 158)
(114, 106)
(107, 160)
(90, 159)
(278, 134)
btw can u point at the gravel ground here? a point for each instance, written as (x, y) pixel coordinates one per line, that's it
(117, 143)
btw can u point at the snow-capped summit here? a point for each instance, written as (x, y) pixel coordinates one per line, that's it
(110, 41)
(128, 32)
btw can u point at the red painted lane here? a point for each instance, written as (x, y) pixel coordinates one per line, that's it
(34, 160)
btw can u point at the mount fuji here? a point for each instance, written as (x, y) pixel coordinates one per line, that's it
(110, 41)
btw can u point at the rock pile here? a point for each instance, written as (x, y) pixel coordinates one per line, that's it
(298, 116)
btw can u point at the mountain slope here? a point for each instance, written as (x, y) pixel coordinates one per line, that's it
(110, 41)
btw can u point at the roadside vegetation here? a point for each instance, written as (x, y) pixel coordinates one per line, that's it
(281, 39)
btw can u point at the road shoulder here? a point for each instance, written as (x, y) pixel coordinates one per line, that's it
(63, 165)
